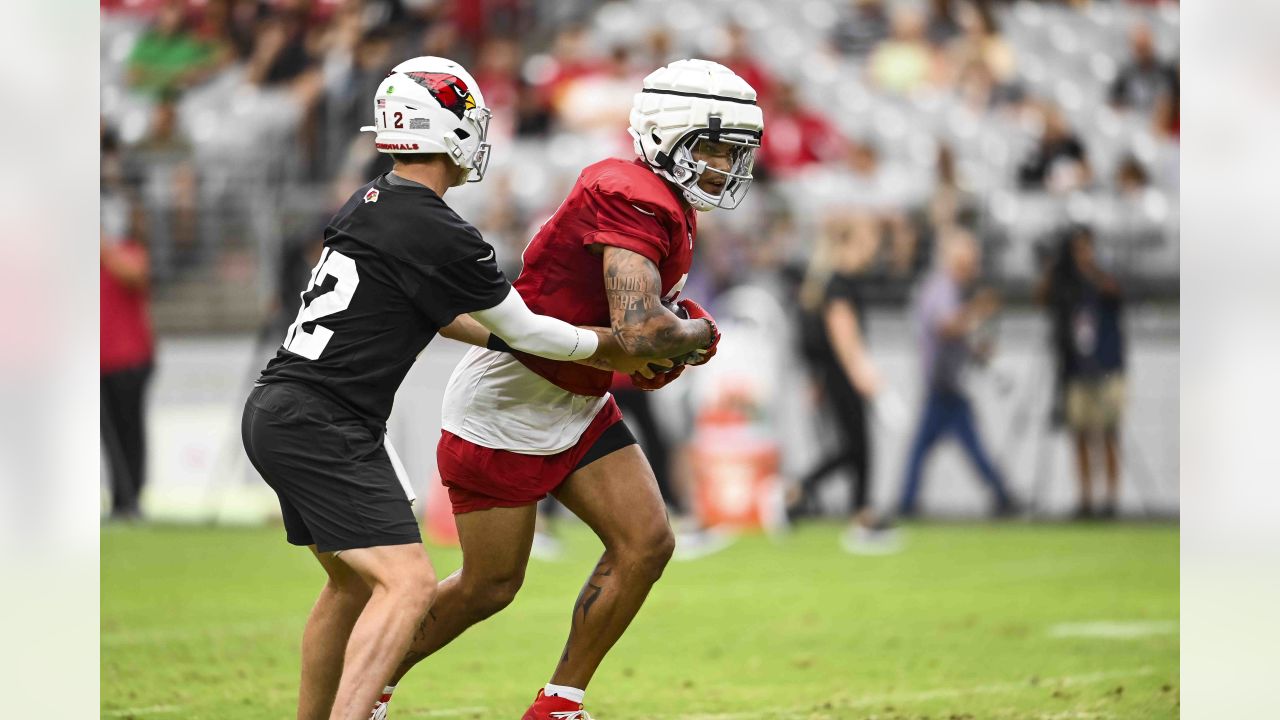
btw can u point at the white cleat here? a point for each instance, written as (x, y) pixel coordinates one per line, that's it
(379, 711)
(701, 543)
(861, 540)
(546, 547)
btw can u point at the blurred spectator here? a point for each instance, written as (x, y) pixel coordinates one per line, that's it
(942, 26)
(741, 58)
(1131, 177)
(1143, 82)
(847, 380)
(797, 137)
(598, 104)
(163, 163)
(532, 116)
(230, 25)
(280, 49)
(497, 72)
(353, 66)
(884, 193)
(658, 50)
(1058, 163)
(982, 62)
(570, 58)
(860, 28)
(602, 99)
(951, 206)
(1168, 112)
(945, 323)
(478, 20)
(1084, 304)
(906, 62)
(168, 55)
(981, 40)
(126, 341)
(869, 199)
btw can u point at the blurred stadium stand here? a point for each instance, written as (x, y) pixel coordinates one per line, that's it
(266, 124)
(241, 128)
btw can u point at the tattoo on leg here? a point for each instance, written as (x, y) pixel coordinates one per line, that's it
(421, 633)
(586, 598)
(411, 656)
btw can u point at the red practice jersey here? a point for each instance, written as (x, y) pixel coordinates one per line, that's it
(615, 202)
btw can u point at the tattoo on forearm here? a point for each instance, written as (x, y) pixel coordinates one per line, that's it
(643, 327)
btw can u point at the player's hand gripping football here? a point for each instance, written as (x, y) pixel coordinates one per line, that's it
(610, 356)
(685, 310)
(689, 310)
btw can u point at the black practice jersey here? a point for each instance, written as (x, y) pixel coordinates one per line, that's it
(398, 264)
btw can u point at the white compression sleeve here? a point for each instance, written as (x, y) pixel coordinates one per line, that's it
(539, 335)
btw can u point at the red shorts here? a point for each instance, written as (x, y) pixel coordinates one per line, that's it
(480, 478)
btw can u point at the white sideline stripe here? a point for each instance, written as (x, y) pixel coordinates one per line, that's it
(1114, 630)
(996, 688)
(153, 710)
(1073, 715)
(937, 693)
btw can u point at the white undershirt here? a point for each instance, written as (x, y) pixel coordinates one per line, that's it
(496, 402)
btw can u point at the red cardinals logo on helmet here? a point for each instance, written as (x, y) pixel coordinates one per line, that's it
(449, 90)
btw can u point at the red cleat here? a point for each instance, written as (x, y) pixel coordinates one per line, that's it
(554, 707)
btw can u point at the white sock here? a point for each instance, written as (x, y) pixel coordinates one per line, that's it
(386, 691)
(564, 691)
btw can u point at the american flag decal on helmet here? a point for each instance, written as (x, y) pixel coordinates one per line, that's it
(449, 90)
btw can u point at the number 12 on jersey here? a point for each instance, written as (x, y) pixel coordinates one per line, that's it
(322, 298)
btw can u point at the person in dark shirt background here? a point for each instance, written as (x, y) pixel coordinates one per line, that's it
(862, 26)
(1059, 162)
(835, 329)
(1145, 80)
(1084, 303)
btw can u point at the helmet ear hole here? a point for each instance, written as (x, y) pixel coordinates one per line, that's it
(462, 134)
(657, 140)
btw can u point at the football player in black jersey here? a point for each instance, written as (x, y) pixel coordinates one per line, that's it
(398, 267)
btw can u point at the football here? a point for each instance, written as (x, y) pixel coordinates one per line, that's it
(677, 362)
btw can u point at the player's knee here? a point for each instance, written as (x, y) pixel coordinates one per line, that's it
(349, 590)
(664, 548)
(503, 591)
(491, 594)
(650, 553)
(415, 585)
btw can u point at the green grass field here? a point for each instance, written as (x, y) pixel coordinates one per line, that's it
(1007, 621)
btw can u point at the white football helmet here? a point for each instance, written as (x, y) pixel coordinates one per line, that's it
(692, 100)
(433, 105)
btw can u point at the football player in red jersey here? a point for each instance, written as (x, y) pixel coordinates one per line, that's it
(516, 427)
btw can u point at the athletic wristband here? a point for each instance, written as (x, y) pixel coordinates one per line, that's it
(497, 343)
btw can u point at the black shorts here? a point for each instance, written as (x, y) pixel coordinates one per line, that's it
(337, 486)
(616, 437)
